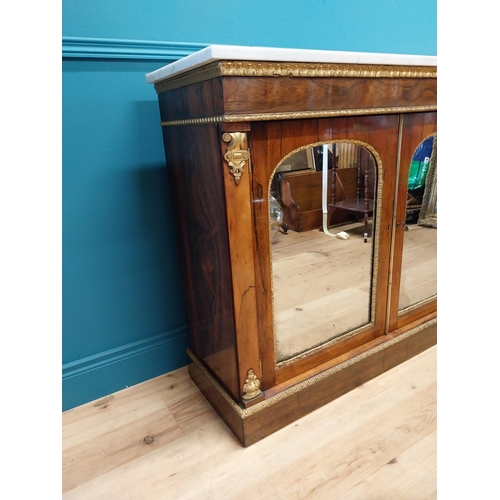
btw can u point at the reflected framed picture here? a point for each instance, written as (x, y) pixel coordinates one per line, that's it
(300, 161)
(428, 212)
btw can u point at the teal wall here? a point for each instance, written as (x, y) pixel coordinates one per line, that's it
(359, 25)
(123, 314)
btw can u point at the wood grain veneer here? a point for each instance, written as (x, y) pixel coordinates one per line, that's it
(223, 236)
(198, 203)
(279, 95)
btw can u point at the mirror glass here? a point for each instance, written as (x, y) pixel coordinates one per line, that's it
(322, 281)
(419, 266)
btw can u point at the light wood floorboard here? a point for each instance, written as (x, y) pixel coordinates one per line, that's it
(377, 442)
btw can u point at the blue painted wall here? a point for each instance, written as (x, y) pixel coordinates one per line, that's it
(359, 25)
(123, 314)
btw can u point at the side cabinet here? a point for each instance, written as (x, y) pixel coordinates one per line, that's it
(281, 321)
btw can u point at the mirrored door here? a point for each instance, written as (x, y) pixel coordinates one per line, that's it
(323, 203)
(418, 283)
(414, 278)
(321, 293)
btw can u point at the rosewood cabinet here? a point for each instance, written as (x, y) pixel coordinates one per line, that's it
(280, 324)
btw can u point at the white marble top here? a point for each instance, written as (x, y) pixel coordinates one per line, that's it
(245, 53)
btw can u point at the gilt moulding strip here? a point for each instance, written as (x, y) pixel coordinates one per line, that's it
(324, 70)
(302, 70)
(296, 115)
(245, 413)
(108, 48)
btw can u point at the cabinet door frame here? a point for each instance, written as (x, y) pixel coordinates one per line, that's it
(269, 143)
(415, 128)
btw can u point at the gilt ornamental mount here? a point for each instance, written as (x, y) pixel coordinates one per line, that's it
(237, 153)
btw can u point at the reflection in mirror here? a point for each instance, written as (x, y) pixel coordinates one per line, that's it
(322, 285)
(428, 213)
(419, 266)
(275, 216)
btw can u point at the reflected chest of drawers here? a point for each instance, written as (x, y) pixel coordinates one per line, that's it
(282, 320)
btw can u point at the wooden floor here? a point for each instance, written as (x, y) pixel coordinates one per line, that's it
(162, 440)
(419, 266)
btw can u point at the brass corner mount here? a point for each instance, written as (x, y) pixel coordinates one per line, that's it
(251, 388)
(237, 153)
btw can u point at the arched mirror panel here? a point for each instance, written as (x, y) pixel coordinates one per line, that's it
(323, 202)
(418, 283)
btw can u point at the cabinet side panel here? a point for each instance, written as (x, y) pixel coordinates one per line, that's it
(197, 193)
